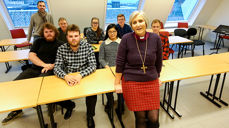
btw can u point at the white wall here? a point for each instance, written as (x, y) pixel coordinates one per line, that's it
(4, 32)
(158, 9)
(78, 12)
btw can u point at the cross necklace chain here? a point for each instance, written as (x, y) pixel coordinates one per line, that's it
(143, 61)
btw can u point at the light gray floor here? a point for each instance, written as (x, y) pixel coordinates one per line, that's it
(197, 112)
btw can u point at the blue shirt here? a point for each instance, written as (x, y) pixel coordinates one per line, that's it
(126, 29)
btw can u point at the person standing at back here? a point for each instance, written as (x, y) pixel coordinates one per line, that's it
(122, 27)
(37, 20)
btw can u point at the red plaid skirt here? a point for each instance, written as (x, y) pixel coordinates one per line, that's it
(141, 96)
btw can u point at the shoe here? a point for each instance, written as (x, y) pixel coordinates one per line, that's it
(90, 122)
(68, 114)
(12, 115)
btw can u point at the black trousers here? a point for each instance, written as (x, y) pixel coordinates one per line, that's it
(90, 104)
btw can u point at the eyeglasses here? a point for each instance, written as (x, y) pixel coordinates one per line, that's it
(112, 32)
(95, 23)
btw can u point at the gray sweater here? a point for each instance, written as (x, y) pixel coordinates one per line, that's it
(36, 23)
(108, 52)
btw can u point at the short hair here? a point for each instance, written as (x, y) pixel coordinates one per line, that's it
(73, 27)
(156, 21)
(120, 15)
(138, 13)
(109, 27)
(40, 1)
(49, 26)
(61, 18)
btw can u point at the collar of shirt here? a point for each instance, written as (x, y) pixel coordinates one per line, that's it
(108, 41)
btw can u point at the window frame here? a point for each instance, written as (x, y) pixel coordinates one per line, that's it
(195, 12)
(140, 7)
(7, 19)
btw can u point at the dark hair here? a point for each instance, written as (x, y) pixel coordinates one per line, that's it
(49, 26)
(99, 30)
(109, 27)
(41, 1)
(73, 27)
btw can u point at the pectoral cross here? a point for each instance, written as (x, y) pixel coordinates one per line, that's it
(144, 68)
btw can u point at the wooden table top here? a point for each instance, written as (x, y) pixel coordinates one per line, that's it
(14, 55)
(55, 89)
(178, 40)
(19, 94)
(97, 47)
(199, 66)
(8, 42)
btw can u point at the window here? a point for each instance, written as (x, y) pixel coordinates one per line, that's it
(115, 7)
(20, 11)
(182, 9)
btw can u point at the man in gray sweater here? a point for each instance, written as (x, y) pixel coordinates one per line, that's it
(37, 20)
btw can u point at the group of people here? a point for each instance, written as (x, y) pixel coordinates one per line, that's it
(137, 55)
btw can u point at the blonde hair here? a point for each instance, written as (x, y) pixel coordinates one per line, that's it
(138, 13)
(156, 21)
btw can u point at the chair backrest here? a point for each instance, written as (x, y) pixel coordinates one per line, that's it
(182, 25)
(180, 32)
(17, 33)
(191, 32)
(84, 31)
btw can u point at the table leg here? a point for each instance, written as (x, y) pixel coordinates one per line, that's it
(40, 117)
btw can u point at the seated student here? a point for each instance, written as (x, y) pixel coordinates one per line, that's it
(63, 24)
(122, 27)
(156, 26)
(107, 55)
(94, 34)
(76, 56)
(42, 55)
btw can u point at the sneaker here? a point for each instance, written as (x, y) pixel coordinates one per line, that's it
(12, 115)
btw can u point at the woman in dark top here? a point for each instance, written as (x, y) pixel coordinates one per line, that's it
(107, 56)
(138, 66)
(94, 34)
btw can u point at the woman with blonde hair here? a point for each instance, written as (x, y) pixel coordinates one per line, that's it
(138, 67)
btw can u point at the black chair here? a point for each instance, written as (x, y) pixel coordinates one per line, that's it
(192, 32)
(182, 33)
(84, 31)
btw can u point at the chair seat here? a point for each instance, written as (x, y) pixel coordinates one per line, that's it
(198, 42)
(22, 45)
(224, 37)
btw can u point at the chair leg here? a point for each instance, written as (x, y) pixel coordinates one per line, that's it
(203, 50)
(15, 48)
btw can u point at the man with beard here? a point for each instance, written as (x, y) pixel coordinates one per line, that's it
(76, 56)
(42, 55)
(37, 20)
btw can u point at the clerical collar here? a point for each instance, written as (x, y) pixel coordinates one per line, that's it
(108, 41)
(141, 38)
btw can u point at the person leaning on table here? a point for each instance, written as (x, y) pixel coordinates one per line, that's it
(76, 56)
(138, 67)
(42, 55)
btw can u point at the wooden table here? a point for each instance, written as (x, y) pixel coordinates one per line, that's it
(8, 42)
(13, 56)
(55, 89)
(179, 40)
(19, 94)
(96, 47)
